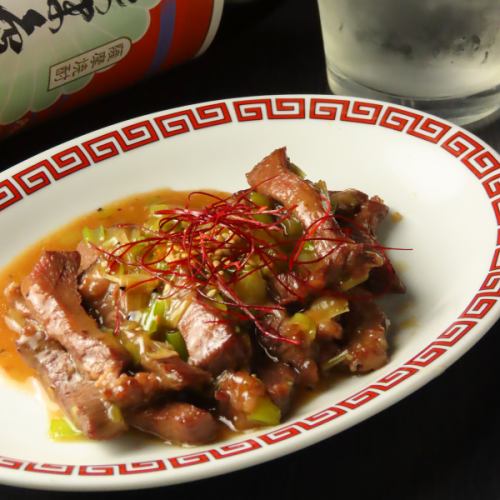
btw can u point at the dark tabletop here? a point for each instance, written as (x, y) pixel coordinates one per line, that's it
(441, 442)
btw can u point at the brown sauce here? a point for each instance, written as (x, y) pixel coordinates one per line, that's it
(133, 209)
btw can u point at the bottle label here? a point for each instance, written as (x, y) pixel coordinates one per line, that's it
(57, 54)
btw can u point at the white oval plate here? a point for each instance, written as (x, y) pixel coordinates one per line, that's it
(442, 179)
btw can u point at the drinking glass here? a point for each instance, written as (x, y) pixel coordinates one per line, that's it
(441, 56)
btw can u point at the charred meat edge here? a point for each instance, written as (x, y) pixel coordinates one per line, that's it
(340, 256)
(211, 341)
(176, 422)
(361, 216)
(78, 396)
(50, 291)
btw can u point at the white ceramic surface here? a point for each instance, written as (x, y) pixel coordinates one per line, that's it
(443, 180)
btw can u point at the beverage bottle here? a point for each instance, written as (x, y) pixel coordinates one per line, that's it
(57, 54)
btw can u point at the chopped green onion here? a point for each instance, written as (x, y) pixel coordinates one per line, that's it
(307, 253)
(136, 300)
(61, 429)
(141, 346)
(325, 308)
(336, 360)
(154, 349)
(252, 288)
(153, 224)
(218, 301)
(174, 311)
(264, 218)
(296, 170)
(94, 236)
(323, 189)
(158, 307)
(136, 234)
(305, 323)
(134, 252)
(110, 243)
(133, 343)
(266, 412)
(308, 246)
(115, 414)
(154, 315)
(352, 282)
(150, 321)
(292, 228)
(260, 199)
(176, 340)
(117, 235)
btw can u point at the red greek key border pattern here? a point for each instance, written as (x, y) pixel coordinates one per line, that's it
(344, 110)
(9, 194)
(480, 161)
(279, 108)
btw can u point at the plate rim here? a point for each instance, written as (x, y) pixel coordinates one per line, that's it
(56, 163)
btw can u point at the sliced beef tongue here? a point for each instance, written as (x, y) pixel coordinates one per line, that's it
(361, 216)
(383, 279)
(158, 377)
(238, 395)
(88, 255)
(211, 342)
(280, 381)
(51, 294)
(88, 404)
(289, 287)
(366, 335)
(78, 396)
(175, 374)
(130, 390)
(164, 373)
(171, 372)
(347, 202)
(176, 422)
(340, 256)
(100, 296)
(300, 357)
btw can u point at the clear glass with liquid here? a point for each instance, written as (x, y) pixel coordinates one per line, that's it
(442, 56)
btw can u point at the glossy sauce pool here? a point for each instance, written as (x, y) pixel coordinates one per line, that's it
(128, 210)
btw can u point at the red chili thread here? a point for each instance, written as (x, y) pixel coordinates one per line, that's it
(196, 249)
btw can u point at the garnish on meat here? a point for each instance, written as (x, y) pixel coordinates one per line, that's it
(208, 315)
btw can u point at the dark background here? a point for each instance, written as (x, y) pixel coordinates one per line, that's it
(441, 442)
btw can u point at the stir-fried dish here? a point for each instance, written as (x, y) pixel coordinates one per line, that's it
(201, 317)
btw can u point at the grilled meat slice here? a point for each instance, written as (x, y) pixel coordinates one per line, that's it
(239, 395)
(175, 374)
(52, 297)
(176, 422)
(340, 257)
(383, 279)
(76, 394)
(170, 371)
(360, 217)
(365, 329)
(280, 381)
(211, 342)
(300, 357)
